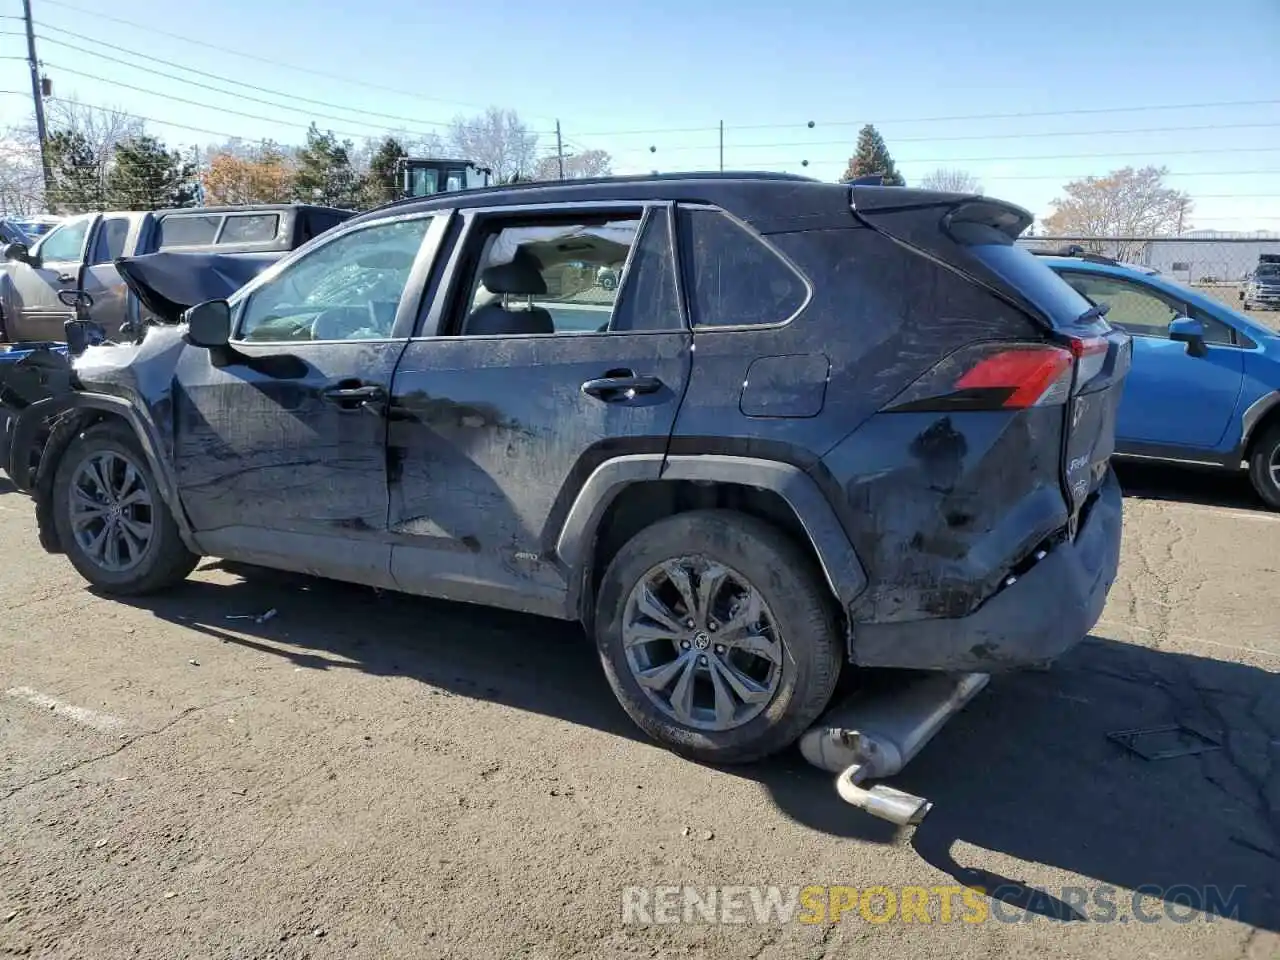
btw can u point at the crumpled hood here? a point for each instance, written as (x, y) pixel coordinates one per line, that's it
(168, 283)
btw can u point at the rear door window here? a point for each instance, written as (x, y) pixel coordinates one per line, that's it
(108, 246)
(734, 277)
(187, 230)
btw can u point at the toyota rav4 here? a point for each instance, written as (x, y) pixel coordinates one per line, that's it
(812, 427)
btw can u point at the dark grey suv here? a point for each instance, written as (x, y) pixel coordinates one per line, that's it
(812, 426)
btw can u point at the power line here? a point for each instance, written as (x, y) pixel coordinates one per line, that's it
(998, 159)
(195, 103)
(196, 83)
(349, 80)
(943, 119)
(220, 78)
(166, 123)
(995, 136)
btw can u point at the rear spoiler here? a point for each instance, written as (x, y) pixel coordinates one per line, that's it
(945, 227)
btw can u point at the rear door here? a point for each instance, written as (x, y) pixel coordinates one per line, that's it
(280, 445)
(101, 278)
(38, 314)
(492, 435)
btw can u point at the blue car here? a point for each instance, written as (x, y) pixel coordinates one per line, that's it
(1205, 382)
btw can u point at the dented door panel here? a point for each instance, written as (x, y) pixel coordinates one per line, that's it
(273, 470)
(487, 435)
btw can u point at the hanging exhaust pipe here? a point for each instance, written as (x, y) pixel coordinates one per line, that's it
(874, 736)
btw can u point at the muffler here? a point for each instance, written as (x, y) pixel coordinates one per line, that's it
(875, 735)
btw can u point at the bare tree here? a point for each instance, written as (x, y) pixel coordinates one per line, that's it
(21, 178)
(950, 180)
(587, 163)
(1125, 204)
(497, 139)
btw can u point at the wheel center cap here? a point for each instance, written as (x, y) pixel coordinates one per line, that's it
(701, 640)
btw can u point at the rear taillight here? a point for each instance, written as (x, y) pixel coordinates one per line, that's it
(1091, 357)
(1003, 376)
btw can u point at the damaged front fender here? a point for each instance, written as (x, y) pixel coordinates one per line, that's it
(41, 434)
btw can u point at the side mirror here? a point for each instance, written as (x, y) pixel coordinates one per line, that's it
(17, 251)
(83, 334)
(1190, 332)
(208, 324)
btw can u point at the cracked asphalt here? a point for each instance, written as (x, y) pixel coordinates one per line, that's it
(381, 776)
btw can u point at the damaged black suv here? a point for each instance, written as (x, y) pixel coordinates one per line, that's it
(803, 426)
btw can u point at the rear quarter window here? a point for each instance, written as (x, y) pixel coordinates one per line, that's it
(734, 277)
(250, 228)
(186, 230)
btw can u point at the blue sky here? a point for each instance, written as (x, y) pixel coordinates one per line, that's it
(664, 73)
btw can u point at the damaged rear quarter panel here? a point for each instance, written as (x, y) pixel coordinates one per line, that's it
(942, 518)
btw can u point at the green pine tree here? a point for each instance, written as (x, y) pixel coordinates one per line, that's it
(382, 184)
(75, 183)
(325, 174)
(871, 157)
(147, 176)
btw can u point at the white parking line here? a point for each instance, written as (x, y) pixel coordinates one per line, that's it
(102, 722)
(1240, 513)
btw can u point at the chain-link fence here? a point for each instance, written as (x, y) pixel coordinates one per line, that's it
(1216, 265)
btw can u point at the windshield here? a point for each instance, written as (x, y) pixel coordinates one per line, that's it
(1269, 271)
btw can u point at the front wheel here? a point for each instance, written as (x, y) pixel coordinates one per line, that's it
(111, 520)
(1264, 466)
(717, 636)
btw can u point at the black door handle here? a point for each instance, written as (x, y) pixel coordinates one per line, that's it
(354, 397)
(620, 387)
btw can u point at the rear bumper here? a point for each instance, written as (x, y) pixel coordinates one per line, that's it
(1047, 611)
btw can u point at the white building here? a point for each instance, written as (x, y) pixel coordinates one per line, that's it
(1201, 256)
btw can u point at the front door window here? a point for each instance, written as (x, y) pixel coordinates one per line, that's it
(66, 243)
(347, 289)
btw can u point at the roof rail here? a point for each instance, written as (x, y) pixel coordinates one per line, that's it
(524, 185)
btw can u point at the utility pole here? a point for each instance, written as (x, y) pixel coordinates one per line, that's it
(1182, 208)
(37, 95)
(559, 150)
(722, 146)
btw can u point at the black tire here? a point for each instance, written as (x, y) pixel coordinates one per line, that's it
(1266, 454)
(796, 596)
(165, 561)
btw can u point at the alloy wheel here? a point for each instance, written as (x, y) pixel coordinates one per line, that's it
(110, 507)
(702, 643)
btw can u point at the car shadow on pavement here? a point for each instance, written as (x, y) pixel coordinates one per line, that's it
(1026, 772)
(1148, 480)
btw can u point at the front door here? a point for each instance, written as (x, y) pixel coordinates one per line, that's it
(1171, 398)
(537, 375)
(37, 313)
(281, 447)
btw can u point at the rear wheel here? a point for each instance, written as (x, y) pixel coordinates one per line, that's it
(112, 522)
(717, 636)
(1264, 466)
